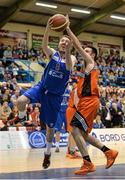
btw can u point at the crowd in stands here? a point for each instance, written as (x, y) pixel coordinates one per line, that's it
(9, 92)
(112, 69)
(9, 67)
(23, 53)
(111, 65)
(112, 108)
(111, 112)
(112, 97)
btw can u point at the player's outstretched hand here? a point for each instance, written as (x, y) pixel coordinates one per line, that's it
(49, 23)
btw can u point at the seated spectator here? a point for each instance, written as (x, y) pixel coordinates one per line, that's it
(15, 95)
(116, 115)
(10, 85)
(6, 96)
(1, 71)
(3, 87)
(7, 53)
(97, 122)
(7, 56)
(25, 53)
(108, 119)
(1, 50)
(20, 52)
(14, 82)
(5, 112)
(15, 52)
(13, 117)
(34, 120)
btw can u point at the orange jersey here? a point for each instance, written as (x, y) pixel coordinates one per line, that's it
(71, 99)
(88, 97)
(88, 84)
(88, 107)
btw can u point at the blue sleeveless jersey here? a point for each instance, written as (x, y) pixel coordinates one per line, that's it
(56, 76)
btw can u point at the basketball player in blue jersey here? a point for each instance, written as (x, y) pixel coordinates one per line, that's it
(48, 92)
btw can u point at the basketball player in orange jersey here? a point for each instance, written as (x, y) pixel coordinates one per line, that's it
(86, 109)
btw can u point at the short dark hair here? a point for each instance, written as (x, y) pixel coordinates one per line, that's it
(94, 50)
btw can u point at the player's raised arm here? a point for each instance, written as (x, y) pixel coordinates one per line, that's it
(48, 51)
(70, 59)
(78, 46)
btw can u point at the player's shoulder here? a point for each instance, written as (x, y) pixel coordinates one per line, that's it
(52, 50)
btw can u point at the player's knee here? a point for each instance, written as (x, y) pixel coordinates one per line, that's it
(75, 131)
(21, 101)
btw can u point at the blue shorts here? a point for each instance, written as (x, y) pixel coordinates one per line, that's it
(50, 103)
(60, 121)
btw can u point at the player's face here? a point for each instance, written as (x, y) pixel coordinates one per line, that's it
(89, 51)
(62, 43)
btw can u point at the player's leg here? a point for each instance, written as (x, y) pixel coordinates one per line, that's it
(71, 153)
(31, 95)
(71, 150)
(71, 145)
(49, 113)
(49, 140)
(57, 140)
(58, 127)
(110, 154)
(87, 166)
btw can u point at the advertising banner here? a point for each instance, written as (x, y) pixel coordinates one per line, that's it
(37, 139)
(13, 38)
(106, 49)
(37, 41)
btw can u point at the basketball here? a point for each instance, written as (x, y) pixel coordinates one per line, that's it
(59, 22)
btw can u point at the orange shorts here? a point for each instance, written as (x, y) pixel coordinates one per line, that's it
(69, 115)
(88, 108)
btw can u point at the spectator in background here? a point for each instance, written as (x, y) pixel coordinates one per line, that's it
(10, 85)
(5, 111)
(97, 122)
(34, 119)
(3, 87)
(110, 57)
(25, 53)
(15, 52)
(116, 115)
(20, 53)
(116, 57)
(14, 69)
(15, 95)
(1, 50)
(14, 83)
(6, 96)
(7, 56)
(13, 117)
(108, 119)
(1, 71)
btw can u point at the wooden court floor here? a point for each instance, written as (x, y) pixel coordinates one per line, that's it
(27, 164)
